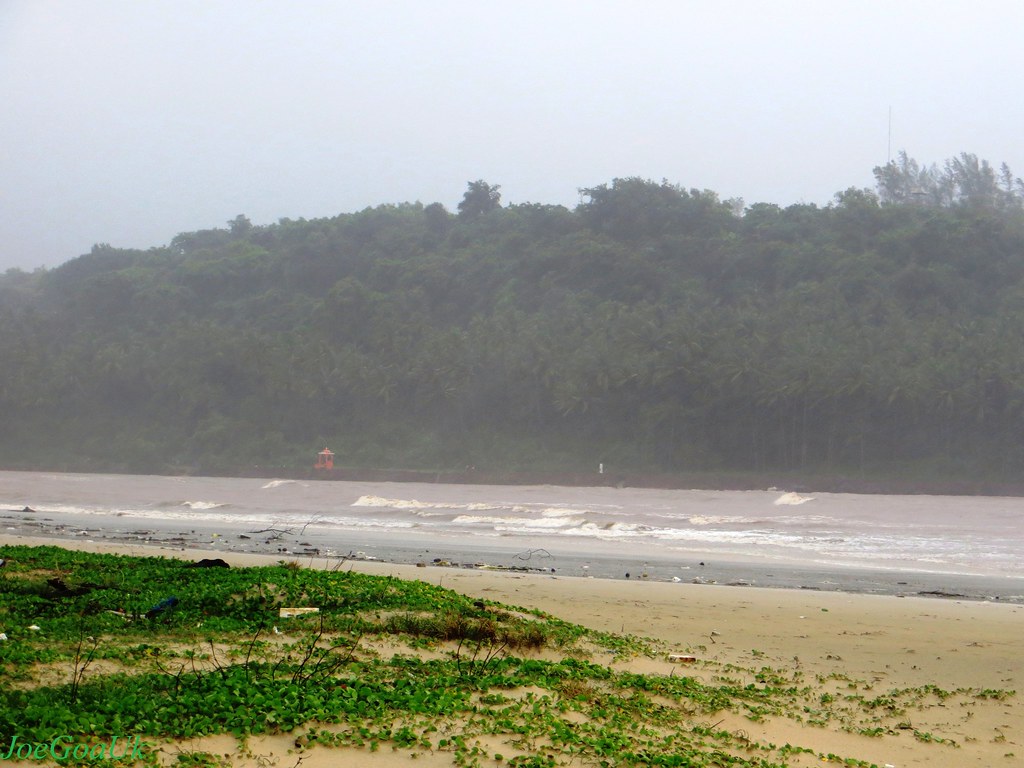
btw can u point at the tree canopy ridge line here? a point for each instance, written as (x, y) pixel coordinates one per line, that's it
(651, 327)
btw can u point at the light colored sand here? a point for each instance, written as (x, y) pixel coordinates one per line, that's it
(879, 643)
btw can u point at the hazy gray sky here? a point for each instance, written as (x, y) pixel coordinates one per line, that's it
(128, 122)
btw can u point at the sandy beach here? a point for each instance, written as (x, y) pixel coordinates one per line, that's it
(868, 644)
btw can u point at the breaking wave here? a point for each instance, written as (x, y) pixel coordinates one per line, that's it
(424, 508)
(721, 520)
(792, 499)
(506, 524)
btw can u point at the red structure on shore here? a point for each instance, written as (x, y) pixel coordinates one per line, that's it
(324, 459)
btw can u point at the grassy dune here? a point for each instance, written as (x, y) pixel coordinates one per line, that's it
(388, 669)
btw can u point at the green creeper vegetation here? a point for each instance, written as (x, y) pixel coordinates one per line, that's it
(653, 328)
(385, 664)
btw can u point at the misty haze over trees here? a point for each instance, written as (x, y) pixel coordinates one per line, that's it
(653, 328)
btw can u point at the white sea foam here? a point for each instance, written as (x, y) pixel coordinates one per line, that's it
(58, 509)
(359, 522)
(799, 519)
(195, 516)
(411, 504)
(792, 499)
(424, 508)
(371, 501)
(277, 484)
(200, 505)
(721, 520)
(603, 532)
(416, 505)
(559, 512)
(518, 523)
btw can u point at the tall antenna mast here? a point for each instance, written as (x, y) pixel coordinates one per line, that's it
(888, 149)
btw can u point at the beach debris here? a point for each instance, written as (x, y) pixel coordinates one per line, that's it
(531, 553)
(2, 562)
(275, 533)
(28, 509)
(676, 579)
(3, 636)
(164, 605)
(276, 630)
(35, 627)
(681, 658)
(209, 563)
(441, 563)
(362, 556)
(289, 613)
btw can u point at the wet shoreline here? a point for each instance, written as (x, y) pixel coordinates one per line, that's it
(520, 554)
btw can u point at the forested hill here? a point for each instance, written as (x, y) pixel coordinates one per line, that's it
(652, 328)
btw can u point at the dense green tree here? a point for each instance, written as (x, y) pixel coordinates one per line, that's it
(240, 226)
(658, 327)
(480, 198)
(963, 180)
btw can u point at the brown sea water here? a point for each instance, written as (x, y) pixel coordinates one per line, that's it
(967, 545)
